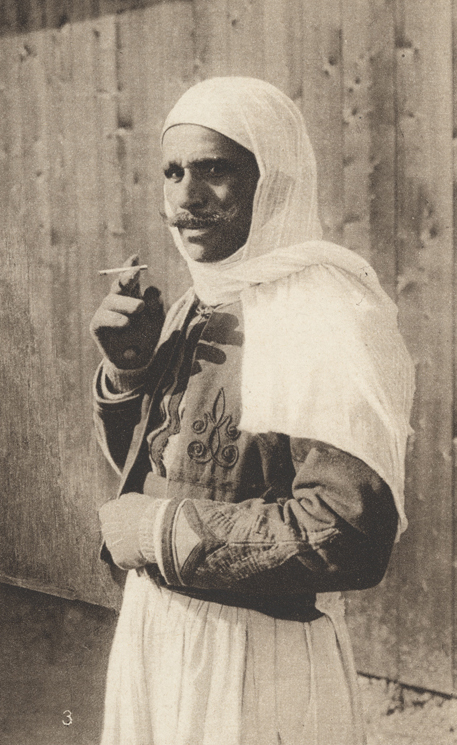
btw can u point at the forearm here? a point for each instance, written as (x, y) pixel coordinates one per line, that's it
(117, 412)
(332, 529)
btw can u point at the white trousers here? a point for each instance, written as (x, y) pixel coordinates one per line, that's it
(188, 672)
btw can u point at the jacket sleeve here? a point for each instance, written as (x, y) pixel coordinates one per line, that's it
(332, 529)
(118, 394)
(117, 411)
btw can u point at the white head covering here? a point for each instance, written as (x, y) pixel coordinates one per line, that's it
(323, 357)
(259, 117)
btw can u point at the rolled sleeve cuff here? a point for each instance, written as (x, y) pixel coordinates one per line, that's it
(104, 396)
(115, 382)
(175, 541)
(150, 531)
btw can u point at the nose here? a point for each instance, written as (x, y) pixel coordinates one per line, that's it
(189, 194)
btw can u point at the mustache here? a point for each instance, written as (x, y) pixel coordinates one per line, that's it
(187, 220)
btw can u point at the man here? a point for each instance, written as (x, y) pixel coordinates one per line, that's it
(261, 442)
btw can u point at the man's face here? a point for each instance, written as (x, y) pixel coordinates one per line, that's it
(210, 182)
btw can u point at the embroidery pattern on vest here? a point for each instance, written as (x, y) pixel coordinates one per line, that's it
(219, 443)
(172, 395)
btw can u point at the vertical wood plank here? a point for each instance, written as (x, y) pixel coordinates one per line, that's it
(140, 63)
(212, 29)
(15, 336)
(275, 42)
(320, 98)
(246, 40)
(132, 132)
(178, 73)
(424, 193)
(370, 89)
(160, 248)
(356, 131)
(454, 515)
(227, 44)
(382, 96)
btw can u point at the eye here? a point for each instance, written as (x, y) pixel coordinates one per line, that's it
(173, 173)
(215, 169)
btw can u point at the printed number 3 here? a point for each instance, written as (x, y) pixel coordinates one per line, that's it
(67, 713)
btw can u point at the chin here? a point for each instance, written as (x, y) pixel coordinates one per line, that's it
(204, 253)
(211, 246)
(200, 253)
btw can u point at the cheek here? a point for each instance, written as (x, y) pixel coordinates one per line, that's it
(168, 198)
(233, 195)
(222, 194)
(242, 194)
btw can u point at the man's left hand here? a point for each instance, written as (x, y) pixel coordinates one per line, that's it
(121, 521)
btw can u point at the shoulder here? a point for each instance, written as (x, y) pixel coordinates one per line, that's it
(320, 268)
(326, 289)
(343, 281)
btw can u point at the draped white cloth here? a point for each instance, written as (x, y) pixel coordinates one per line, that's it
(323, 356)
(187, 672)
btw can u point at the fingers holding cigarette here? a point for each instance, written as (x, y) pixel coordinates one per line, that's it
(127, 282)
(119, 269)
(127, 325)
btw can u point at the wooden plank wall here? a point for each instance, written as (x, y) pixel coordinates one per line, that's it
(84, 87)
(411, 617)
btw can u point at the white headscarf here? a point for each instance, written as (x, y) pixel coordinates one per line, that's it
(323, 358)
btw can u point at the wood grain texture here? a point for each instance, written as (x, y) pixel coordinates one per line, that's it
(454, 162)
(356, 57)
(319, 91)
(370, 88)
(425, 292)
(84, 89)
(177, 74)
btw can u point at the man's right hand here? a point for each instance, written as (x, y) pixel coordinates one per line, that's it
(126, 327)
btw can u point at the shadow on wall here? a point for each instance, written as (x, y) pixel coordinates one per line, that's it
(27, 15)
(53, 659)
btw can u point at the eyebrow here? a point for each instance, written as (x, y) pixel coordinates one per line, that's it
(199, 162)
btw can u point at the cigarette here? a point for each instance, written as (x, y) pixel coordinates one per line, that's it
(118, 269)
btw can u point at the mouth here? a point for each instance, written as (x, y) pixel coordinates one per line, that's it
(197, 226)
(194, 233)
(193, 223)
